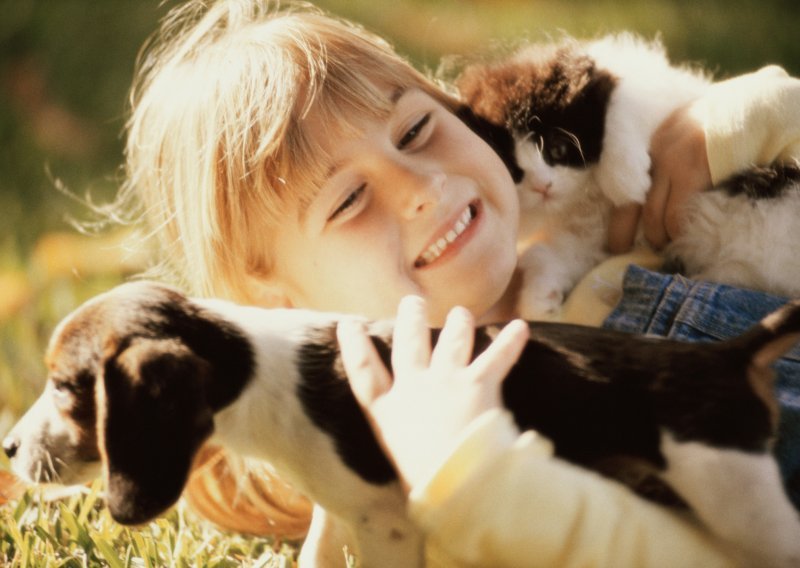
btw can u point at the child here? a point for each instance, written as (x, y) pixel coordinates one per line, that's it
(286, 158)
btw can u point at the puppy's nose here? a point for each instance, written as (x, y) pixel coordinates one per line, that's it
(10, 446)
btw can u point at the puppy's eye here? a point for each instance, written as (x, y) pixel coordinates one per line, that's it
(63, 391)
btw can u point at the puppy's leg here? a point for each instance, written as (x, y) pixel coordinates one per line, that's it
(388, 539)
(382, 537)
(326, 540)
(739, 496)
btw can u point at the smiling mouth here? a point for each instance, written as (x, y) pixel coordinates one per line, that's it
(437, 248)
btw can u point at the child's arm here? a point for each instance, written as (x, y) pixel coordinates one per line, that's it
(502, 499)
(483, 493)
(749, 120)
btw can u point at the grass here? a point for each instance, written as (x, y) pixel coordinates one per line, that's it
(65, 66)
(76, 531)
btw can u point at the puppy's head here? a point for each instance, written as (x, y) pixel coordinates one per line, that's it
(127, 394)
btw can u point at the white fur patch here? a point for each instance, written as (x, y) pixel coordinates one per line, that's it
(739, 496)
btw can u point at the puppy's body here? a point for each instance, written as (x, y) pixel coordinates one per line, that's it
(165, 372)
(580, 116)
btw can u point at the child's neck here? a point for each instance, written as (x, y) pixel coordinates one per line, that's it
(506, 307)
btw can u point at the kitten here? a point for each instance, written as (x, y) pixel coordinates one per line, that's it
(580, 116)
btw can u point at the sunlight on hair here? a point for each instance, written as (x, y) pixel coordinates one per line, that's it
(216, 150)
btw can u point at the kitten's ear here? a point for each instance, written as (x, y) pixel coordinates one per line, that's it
(152, 418)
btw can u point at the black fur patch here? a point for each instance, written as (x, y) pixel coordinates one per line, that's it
(327, 399)
(221, 343)
(172, 367)
(498, 138)
(599, 395)
(595, 399)
(557, 97)
(767, 182)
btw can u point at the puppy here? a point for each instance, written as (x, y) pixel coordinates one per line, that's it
(141, 376)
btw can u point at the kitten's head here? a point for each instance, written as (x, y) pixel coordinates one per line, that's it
(553, 100)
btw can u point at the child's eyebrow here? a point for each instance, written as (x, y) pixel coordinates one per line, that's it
(394, 98)
(397, 94)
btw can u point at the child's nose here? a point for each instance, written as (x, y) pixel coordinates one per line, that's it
(420, 190)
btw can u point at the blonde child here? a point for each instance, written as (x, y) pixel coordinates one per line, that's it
(288, 158)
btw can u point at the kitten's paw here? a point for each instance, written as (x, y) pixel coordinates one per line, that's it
(539, 299)
(626, 178)
(544, 282)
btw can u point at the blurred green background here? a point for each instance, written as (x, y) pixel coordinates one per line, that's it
(65, 67)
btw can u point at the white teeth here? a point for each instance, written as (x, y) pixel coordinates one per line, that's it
(436, 249)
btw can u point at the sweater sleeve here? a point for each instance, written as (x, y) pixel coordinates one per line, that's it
(502, 499)
(752, 119)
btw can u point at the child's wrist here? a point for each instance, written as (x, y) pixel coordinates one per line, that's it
(488, 435)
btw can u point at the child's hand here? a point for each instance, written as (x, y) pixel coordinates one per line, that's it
(679, 170)
(420, 415)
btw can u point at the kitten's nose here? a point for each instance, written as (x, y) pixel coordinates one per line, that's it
(542, 188)
(10, 446)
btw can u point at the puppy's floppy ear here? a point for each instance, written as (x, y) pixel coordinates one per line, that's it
(152, 418)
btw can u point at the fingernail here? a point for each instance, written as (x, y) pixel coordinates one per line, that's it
(411, 302)
(349, 326)
(460, 312)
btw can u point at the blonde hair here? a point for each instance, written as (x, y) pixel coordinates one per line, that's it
(216, 153)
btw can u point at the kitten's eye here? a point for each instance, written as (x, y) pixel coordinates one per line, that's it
(413, 132)
(557, 150)
(349, 202)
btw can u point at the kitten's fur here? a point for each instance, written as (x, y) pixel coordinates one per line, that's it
(580, 117)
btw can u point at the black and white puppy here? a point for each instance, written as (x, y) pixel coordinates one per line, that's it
(141, 376)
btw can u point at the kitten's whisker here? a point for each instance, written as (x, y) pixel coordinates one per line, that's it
(576, 142)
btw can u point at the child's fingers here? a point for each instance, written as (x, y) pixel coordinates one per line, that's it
(454, 347)
(653, 212)
(622, 227)
(498, 359)
(369, 378)
(411, 341)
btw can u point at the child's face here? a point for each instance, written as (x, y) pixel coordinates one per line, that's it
(413, 203)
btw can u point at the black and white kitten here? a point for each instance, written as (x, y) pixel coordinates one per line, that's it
(573, 122)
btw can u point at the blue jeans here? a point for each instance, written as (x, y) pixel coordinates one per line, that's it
(673, 306)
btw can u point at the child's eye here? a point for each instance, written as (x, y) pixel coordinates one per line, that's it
(412, 133)
(349, 202)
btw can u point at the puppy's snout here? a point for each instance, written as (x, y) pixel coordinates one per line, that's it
(10, 446)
